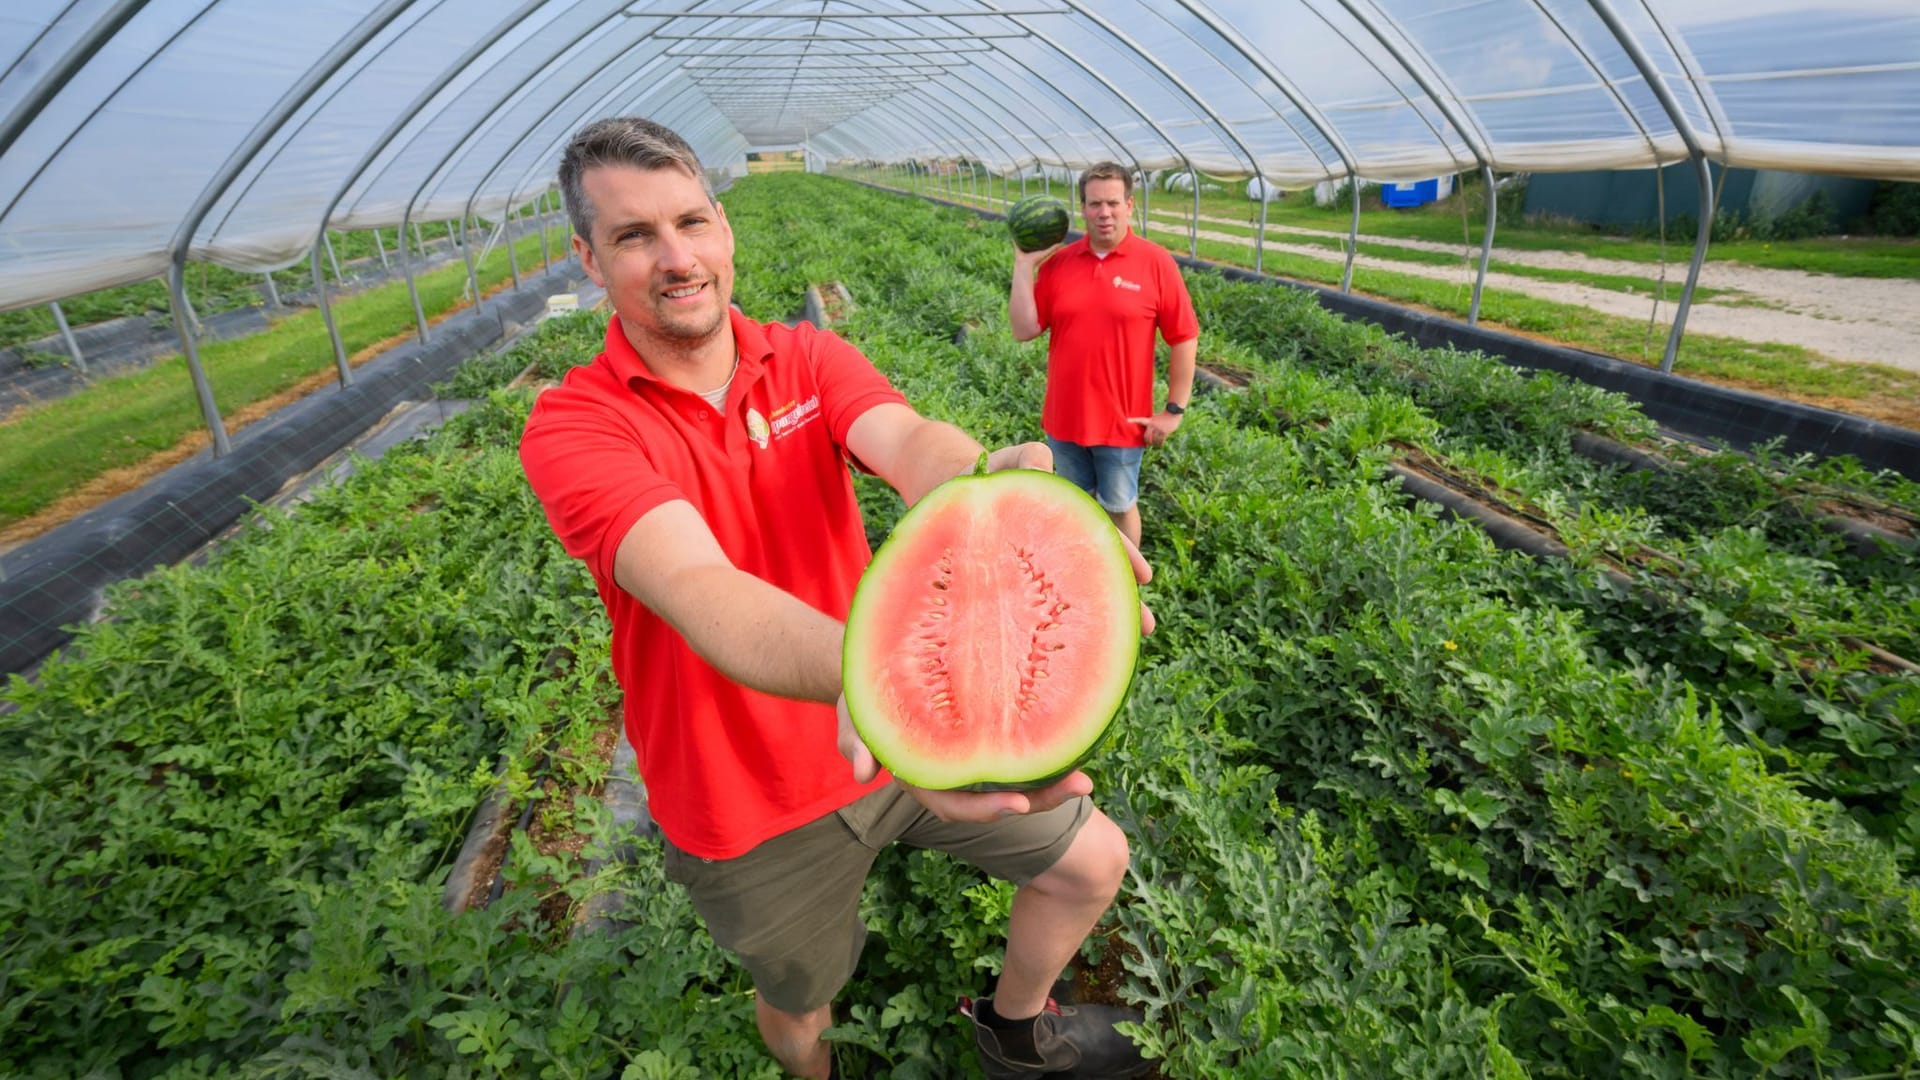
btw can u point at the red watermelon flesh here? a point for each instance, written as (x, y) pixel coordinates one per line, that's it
(993, 639)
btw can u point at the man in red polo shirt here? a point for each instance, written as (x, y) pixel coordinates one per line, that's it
(699, 467)
(1101, 299)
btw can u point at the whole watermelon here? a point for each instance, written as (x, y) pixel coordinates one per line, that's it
(1038, 221)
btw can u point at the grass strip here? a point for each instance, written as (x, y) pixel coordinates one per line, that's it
(50, 450)
(1767, 367)
(1877, 391)
(1842, 256)
(210, 289)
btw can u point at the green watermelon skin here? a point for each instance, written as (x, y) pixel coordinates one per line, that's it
(993, 641)
(1038, 222)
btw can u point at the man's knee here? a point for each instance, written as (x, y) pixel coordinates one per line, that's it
(1095, 863)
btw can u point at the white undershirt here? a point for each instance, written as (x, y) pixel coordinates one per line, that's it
(717, 397)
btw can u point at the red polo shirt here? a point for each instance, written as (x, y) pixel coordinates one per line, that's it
(1100, 315)
(725, 767)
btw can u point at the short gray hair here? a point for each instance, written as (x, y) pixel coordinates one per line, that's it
(621, 140)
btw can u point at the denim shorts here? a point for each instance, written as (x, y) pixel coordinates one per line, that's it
(1111, 474)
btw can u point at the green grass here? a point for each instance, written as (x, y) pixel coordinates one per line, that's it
(1765, 367)
(1768, 367)
(1844, 256)
(50, 450)
(1643, 286)
(210, 289)
(1440, 222)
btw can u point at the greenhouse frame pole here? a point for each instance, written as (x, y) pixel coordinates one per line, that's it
(956, 115)
(930, 119)
(326, 315)
(493, 113)
(1048, 40)
(645, 68)
(513, 260)
(567, 133)
(385, 266)
(987, 95)
(1117, 144)
(1282, 117)
(1353, 233)
(1473, 137)
(327, 242)
(948, 117)
(202, 389)
(101, 30)
(1695, 151)
(1486, 243)
(273, 290)
(1314, 116)
(466, 252)
(66, 334)
(1193, 224)
(290, 103)
(401, 120)
(1259, 238)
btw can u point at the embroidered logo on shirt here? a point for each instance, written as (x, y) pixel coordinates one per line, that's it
(794, 417)
(757, 429)
(1122, 283)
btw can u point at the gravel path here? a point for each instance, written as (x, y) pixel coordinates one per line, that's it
(1852, 319)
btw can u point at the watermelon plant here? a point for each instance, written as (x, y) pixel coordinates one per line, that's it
(1401, 803)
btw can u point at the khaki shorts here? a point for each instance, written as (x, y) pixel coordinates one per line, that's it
(790, 908)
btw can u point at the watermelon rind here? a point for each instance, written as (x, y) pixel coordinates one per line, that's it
(1092, 718)
(1038, 222)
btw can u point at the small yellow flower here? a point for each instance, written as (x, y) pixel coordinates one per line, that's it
(1451, 647)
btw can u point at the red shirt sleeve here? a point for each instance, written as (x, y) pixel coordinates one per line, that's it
(591, 473)
(1177, 320)
(849, 383)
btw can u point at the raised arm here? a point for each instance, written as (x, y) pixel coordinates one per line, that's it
(1023, 313)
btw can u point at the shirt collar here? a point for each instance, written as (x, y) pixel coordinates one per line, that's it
(1124, 247)
(749, 339)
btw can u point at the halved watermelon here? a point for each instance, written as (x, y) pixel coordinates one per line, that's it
(993, 639)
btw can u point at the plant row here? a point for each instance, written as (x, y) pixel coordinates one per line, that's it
(1396, 807)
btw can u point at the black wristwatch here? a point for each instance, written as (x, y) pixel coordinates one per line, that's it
(1175, 408)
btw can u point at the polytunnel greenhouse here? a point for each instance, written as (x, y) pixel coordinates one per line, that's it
(1530, 690)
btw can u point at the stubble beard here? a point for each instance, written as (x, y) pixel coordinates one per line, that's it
(690, 327)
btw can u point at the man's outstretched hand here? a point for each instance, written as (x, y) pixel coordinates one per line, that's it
(976, 806)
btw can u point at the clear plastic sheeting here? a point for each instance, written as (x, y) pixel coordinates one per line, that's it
(136, 133)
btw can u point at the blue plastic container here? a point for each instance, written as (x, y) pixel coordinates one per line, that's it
(1418, 193)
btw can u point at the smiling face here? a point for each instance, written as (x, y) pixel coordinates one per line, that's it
(664, 253)
(1108, 208)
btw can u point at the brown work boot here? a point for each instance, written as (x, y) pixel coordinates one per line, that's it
(1076, 1041)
